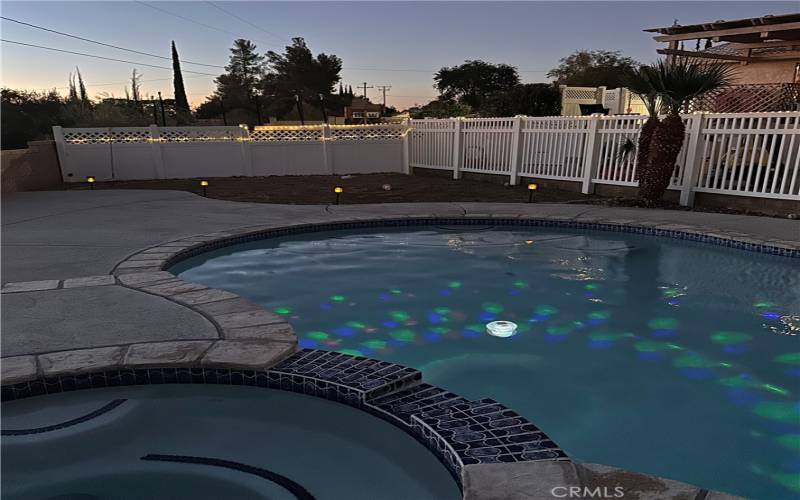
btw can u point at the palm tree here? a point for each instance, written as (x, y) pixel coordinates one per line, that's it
(679, 80)
(643, 81)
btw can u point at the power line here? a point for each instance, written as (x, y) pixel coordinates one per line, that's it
(435, 70)
(101, 57)
(245, 21)
(237, 35)
(104, 44)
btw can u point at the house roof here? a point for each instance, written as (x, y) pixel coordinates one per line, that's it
(732, 49)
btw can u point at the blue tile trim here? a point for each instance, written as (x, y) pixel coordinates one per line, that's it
(421, 221)
(458, 431)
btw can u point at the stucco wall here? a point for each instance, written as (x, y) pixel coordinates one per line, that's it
(30, 169)
(766, 72)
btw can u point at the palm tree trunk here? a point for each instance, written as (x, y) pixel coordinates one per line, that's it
(665, 146)
(643, 147)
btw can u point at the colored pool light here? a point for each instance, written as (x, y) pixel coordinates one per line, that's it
(338, 190)
(501, 328)
(531, 188)
(90, 179)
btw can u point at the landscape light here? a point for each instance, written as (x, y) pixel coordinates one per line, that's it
(338, 190)
(90, 180)
(204, 185)
(531, 188)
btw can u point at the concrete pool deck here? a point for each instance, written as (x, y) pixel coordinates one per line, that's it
(83, 288)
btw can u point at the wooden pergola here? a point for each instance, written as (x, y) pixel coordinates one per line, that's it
(744, 35)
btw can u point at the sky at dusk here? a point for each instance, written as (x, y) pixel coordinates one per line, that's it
(383, 43)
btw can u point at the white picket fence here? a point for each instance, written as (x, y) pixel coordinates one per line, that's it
(755, 154)
(132, 153)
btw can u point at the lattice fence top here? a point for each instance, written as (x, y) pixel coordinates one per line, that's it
(86, 135)
(580, 93)
(366, 132)
(199, 134)
(132, 135)
(294, 134)
(750, 98)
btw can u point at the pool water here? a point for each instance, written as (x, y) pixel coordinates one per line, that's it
(329, 450)
(668, 357)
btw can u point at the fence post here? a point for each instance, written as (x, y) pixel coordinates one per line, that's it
(58, 136)
(694, 159)
(591, 154)
(155, 152)
(457, 156)
(407, 147)
(516, 145)
(247, 153)
(327, 157)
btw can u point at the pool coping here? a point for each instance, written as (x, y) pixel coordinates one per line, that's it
(254, 339)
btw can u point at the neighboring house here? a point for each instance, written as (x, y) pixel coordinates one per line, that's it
(764, 52)
(361, 110)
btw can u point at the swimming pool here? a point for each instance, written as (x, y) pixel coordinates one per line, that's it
(192, 442)
(663, 356)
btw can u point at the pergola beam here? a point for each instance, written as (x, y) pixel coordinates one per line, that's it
(773, 30)
(706, 55)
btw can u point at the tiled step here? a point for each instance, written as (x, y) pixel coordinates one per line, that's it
(400, 406)
(349, 379)
(480, 432)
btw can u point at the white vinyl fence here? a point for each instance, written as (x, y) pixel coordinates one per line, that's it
(130, 153)
(754, 154)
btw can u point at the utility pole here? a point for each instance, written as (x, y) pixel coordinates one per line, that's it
(384, 88)
(364, 119)
(364, 86)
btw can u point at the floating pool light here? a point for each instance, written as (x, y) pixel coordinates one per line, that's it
(90, 179)
(338, 190)
(531, 188)
(204, 185)
(501, 328)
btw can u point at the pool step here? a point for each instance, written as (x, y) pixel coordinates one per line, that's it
(482, 432)
(399, 407)
(353, 380)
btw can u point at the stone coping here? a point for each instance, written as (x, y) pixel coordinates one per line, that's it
(163, 256)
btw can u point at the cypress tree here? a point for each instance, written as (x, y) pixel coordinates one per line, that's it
(181, 102)
(84, 96)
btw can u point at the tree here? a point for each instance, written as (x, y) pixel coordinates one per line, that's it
(181, 102)
(441, 108)
(136, 87)
(644, 82)
(243, 74)
(593, 68)
(531, 99)
(473, 82)
(84, 96)
(680, 80)
(28, 116)
(296, 72)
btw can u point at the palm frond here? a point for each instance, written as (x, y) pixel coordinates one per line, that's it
(644, 82)
(681, 79)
